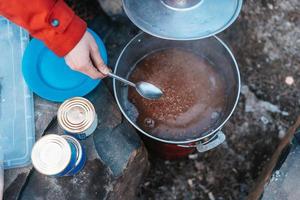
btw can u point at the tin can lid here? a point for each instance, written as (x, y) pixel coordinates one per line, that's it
(76, 115)
(182, 19)
(51, 154)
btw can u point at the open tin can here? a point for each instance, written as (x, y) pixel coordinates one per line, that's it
(56, 155)
(77, 116)
(212, 49)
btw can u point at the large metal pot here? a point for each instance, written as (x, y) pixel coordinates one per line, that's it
(211, 48)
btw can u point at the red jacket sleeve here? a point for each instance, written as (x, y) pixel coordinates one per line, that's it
(51, 21)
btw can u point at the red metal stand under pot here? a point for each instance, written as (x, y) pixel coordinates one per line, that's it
(176, 151)
(166, 151)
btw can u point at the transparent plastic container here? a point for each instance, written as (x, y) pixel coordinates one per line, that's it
(17, 133)
(1, 173)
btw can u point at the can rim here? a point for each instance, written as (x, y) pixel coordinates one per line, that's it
(77, 146)
(41, 163)
(82, 103)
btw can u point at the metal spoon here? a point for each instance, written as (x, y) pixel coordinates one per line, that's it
(146, 90)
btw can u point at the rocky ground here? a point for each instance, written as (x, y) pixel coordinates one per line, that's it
(266, 42)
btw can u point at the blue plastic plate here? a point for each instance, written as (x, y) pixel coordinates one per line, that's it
(49, 77)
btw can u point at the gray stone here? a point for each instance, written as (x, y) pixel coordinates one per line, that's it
(116, 146)
(45, 112)
(115, 139)
(126, 185)
(109, 115)
(13, 189)
(253, 104)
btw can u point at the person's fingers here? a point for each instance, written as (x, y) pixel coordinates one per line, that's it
(85, 58)
(97, 60)
(87, 69)
(91, 71)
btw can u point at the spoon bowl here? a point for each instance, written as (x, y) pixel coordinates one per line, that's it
(145, 89)
(148, 90)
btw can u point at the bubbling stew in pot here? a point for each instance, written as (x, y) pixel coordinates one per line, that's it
(194, 94)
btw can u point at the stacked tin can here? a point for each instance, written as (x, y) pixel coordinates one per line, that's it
(56, 155)
(63, 155)
(77, 117)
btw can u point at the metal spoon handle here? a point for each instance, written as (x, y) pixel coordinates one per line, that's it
(121, 79)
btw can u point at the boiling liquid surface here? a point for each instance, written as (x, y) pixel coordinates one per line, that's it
(193, 99)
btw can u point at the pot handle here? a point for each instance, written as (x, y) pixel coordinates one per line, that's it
(216, 141)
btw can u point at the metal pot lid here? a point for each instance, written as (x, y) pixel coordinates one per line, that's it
(182, 19)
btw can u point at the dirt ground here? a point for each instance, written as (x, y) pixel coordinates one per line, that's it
(266, 42)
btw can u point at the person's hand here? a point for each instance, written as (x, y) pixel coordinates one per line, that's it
(85, 57)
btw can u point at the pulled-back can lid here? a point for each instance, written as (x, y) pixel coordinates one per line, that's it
(182, 19)
(51, 154)
(76, 115)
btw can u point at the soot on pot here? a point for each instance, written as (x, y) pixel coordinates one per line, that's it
(194, 94)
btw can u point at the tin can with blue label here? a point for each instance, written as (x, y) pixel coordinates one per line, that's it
(80, 155)
(56, 155)
(77, 116)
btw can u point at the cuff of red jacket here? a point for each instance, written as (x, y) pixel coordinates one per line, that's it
(64, 42)
(66, 29)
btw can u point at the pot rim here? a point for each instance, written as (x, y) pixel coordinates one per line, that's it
(185, 141)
